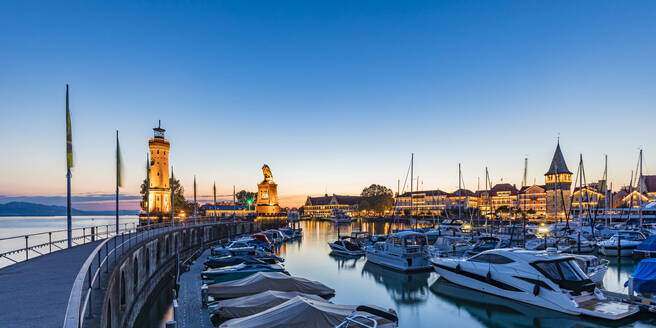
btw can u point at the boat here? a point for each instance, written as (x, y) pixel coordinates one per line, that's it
(366, 316)
(345, 247)
(239, 271)
(304, 312)
(224, 261)
(248, 305)
(628, 241)
(263, 281)
(646, 249)
(545, 279)
(293, 216)
(403, 251)
(225, 250)
(642, 284)
(593, 266)
(486, 243)
(448, 246)
(339, 216)
(570, 244)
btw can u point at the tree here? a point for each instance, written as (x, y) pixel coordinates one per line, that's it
(179, 203)
(376, 198)
(244, 196)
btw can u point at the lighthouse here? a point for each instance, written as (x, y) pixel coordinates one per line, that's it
(159, 199)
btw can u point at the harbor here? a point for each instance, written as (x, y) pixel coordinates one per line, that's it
(421, 298)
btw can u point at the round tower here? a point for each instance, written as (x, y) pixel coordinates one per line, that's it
(160, 189)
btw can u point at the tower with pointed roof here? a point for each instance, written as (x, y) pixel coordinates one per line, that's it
(558, 181)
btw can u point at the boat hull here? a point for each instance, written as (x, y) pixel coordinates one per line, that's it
(612, 251)
(408, 263)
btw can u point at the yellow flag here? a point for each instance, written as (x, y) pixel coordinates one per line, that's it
(69, 135)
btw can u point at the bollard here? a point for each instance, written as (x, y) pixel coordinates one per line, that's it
(175, 309)
(204, 295)
(171, 324)
(619, 245)
(27, 254)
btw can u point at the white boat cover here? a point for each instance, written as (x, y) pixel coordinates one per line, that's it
(263, 281)
(252, 304)
(299, 312)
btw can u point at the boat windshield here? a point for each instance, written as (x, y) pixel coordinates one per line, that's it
(414, 241)
(566, 273)
(630, 235)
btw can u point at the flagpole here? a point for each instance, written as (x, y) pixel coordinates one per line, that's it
(117, 179)
(195, 204)
(69, 164)
(147, 191)
(214, 201)
(172, 195)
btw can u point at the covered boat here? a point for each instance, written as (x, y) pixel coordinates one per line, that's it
(239, 271)
(263, 281)
(252, 304)
(647, 249)
(643, 279)
(300, 312)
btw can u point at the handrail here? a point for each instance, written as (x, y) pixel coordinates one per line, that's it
(76, 308)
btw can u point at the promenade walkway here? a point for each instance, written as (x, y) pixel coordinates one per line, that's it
(35, 293)
(191, 313)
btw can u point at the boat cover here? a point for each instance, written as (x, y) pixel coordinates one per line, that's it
(252, 304)
(263, 281)
(644, 276)
(299, 312)
(648, 245)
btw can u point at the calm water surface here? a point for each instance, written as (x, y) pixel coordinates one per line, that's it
(421, 299)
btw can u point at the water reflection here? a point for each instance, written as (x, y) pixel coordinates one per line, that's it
(403, 288)
(345, 262)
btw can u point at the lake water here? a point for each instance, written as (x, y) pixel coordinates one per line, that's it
(420, 299)
(12, 226)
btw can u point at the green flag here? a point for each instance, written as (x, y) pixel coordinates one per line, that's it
(69, 135)
(119, 164)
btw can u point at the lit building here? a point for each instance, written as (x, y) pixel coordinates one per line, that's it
(647, 185)
(503, 196)
(321, 207)
(532, 201)
(587, 198)
(462, 198)
(227, 210)
(430, 202)
(558, 181)
(159, 195)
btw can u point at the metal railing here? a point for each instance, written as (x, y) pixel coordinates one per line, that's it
(41, 243)
(88, 278)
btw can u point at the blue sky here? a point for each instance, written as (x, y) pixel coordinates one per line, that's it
(333, 95)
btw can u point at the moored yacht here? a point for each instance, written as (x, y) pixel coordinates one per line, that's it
(345, 247)
(402, 251)
(626, 240)
(545, 279)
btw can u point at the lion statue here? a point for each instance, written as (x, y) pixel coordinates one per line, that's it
(267, 173)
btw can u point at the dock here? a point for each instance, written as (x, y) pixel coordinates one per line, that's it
(190, 312)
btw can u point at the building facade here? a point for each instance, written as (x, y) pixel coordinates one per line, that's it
(430, 202)
(227, 210)
(587, 198)
(532, 201)
(323, 206)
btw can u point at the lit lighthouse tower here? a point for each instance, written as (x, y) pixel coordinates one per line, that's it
(159, 198)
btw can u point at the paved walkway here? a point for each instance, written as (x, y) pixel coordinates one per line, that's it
(191, 314)
(35, 293)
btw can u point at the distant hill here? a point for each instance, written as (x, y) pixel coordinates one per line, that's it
(33, 209)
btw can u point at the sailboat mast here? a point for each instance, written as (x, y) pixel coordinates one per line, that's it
(412, 167)
(640, 189)
(606, 188)
(459, 192)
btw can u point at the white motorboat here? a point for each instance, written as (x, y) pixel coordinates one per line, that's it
(594, 267)
(545, 279)
(570, 244)
(627, 240)
(339, 216)
(402, 251)
(448, 246)
(345, 247)
(487, 243)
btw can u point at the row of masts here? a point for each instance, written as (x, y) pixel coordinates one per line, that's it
(580, 179)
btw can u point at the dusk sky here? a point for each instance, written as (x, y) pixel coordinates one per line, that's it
(332, 95)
